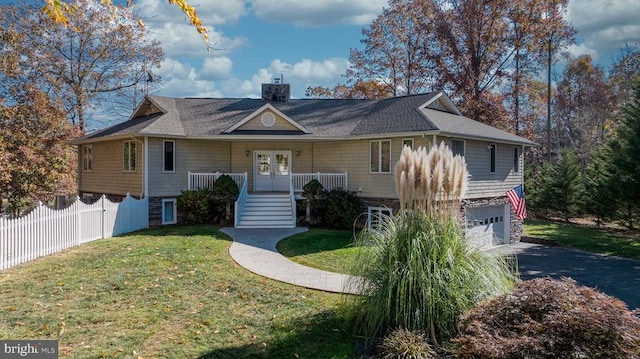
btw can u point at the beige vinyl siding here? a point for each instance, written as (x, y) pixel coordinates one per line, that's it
(256, 124)
(190, 155)
(353, 157)
(108, 175)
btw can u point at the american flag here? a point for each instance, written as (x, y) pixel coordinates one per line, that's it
(516, 197)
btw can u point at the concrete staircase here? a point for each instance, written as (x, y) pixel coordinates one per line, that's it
(271, 210)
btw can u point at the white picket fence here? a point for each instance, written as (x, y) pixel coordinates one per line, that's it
(45, 231)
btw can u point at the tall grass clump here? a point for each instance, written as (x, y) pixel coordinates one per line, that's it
(419, 272)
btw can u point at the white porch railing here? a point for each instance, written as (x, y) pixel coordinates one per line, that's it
(294, 221)
(206, 180)
(329, 181)
(239, 205)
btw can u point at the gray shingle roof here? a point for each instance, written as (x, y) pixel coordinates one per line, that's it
(331, 118)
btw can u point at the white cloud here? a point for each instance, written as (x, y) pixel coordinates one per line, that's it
(604, 27)
(214, 77)
(168, 25)
(311, 70)
(216, 68)
(210, 12)
(318, 13)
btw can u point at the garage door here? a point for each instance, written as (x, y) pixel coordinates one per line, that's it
(488, 226)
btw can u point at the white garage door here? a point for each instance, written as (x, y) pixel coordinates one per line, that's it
(488, 226)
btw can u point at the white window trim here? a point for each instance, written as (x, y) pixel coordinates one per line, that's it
(126, 165)
(376, 211)
(164, 166)
(380, 156)
(493, 161)
(464, 146)
(175, 211)
(85, 159)
(516, 159)
(407, 140)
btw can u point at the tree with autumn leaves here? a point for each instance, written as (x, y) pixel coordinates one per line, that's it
(52, 72)
(78, 63)
(485, 54)
(36, 158)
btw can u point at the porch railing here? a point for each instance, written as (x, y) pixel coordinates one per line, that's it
(329, 181)
(239, 205)
(206, 180)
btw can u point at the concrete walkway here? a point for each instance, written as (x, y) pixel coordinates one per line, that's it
(255, 250)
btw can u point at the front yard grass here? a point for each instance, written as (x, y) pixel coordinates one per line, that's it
(170, 292)
(584, 238)
(326, 249)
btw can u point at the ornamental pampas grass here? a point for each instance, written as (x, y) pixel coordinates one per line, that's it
(430, 180)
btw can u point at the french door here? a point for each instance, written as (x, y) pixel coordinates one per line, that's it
(271, 171)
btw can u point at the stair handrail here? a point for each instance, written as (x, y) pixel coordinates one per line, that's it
(240, 202)
(293, 202)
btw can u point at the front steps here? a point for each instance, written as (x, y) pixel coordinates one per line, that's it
(271, 210)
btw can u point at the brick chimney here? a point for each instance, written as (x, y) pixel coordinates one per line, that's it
(276, 91)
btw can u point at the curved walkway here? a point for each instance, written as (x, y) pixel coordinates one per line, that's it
(255, 250)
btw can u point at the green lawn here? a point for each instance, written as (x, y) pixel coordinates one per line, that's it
(171, 292)
(333, 250)
(326, 249)
(585, 238)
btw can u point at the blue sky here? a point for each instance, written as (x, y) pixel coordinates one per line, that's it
(308, 42)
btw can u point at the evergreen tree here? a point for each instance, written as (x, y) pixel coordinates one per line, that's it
(601, 199)
(560, 187)
(625, 149)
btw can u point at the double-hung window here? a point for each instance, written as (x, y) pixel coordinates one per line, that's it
(87, 158)
(380, 156)
(129, 156)
(457, 147)
(169, 158)
(493, 153)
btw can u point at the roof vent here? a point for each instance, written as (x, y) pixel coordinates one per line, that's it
(277, 91)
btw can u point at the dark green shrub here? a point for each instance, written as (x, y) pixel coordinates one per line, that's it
(547, 318)
(224, 194)
(341, 208)
(312, 193)
(405, 344)
(193, 206)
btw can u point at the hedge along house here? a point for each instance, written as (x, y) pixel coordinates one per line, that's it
(275, 145)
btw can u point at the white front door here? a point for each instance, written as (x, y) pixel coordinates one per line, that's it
(271, 171)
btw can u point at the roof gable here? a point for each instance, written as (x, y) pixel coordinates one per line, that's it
(441, 102)
(267, 118)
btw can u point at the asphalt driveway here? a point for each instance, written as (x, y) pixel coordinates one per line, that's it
(615, 276)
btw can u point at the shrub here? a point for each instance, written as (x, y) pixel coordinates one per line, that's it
(341, 209)
(312, 191)
(225, 192)
(420, 273)
(193, 206)
(547, 318)
(405, 344)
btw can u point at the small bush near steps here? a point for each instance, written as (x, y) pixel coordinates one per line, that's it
(546, 318)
